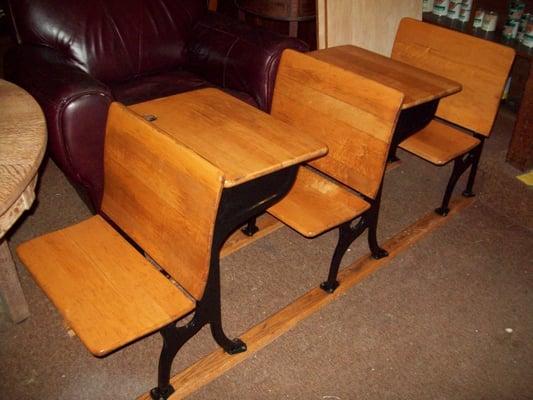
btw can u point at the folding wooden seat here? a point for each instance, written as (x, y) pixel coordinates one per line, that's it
(355, 117)
(464, 119)
(165, 198)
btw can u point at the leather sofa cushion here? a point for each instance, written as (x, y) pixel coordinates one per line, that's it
(165, 84)
(110, 40)
(157, 85)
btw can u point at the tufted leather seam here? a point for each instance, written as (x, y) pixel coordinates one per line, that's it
(13, 22)
(140, 41)
(167, 11)
(117, 31)
(226, 57)
(273, 58)
(186, 10)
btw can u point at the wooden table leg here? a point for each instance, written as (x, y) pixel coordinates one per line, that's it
(10, 288)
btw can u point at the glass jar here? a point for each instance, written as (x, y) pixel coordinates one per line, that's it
(440, 7)
(478, 18)
(490, 20)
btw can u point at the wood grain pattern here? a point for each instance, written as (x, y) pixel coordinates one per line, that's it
(249, 142)
(439, 143)
(22, 145)
(418, 86)
(108, 293)
(479, 65)
(353, 115)
(22, 203)
(162, 195)
(370, 24)
(316, 204)
(217, 363)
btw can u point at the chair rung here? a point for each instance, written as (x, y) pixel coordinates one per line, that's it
(439, 143)
(108, 293)
(316, 204)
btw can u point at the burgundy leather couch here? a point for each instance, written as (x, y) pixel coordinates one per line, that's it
(77, 56)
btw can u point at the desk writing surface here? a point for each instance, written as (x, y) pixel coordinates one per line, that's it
(418, 86)
(244, 142)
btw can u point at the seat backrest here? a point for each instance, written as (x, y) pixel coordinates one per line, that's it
(479, 65)
(353, 115)
(112, 40)
(161, 194)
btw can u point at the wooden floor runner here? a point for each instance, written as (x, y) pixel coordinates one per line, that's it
(266, 224)
(217, 363)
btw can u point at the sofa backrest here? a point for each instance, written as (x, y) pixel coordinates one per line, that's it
(113, 40)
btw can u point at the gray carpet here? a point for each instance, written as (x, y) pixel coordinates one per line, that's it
(451, 318)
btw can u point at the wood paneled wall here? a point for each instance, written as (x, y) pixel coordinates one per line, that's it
(370, 24)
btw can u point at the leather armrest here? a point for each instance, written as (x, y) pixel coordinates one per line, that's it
(75, 106)
(236, 56)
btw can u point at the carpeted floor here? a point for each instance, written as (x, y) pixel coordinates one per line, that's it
(451, 318)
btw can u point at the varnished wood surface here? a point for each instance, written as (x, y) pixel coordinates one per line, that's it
(479, 65)
(108, 293)
(217, 363)
(370, 24)
(316, 204)
(354, 115)
(418, 86)
(162, 194)
(242, 141)
(439, 143)
(22, 146)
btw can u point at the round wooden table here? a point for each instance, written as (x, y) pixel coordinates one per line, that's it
(22, 146)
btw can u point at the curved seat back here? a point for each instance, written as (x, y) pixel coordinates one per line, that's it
(161, 194)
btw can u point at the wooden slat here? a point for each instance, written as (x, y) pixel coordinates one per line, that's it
(217, 363)
(107, 292)
(162, 195)
(417, 85)
(249, 142)
(439, 143)
(353, 115)
(316, 204)
(481, 66)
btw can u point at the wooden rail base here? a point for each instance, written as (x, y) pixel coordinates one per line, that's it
(266, 224)
(217, 363)
(393, 165)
